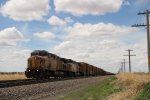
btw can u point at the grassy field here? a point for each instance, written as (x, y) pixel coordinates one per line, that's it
(144, 94)
(125, 86)
(12, 75)
(133, 84)
(95, 92)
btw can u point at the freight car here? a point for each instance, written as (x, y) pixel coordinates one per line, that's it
(42, 64)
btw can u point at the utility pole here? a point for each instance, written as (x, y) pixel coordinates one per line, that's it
(147, 12)
(121, 68)
(124, 65)
(129, 51)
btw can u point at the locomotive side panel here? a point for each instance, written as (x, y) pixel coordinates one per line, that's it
(47, 64)
(82, 68)
(74, 67)
(71, 67)
(90, 70)
(94, 70)
(60, 65)
(53, 64)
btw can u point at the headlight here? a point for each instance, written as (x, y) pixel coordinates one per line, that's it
(37, 70)
(29, 70)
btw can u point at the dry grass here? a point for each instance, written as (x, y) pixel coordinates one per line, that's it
(132, 82)
(12, 76)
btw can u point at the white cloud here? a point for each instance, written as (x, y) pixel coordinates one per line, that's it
(10, 36)
(87, 7)
(26, 10)
(13, 59)
(54, 20)
(10, 33)
(45, 35)
(64, 45)
(68, 20)
(126, 2)
(100, 29)
(103, 45)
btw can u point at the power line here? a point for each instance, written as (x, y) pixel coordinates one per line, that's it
(129, 54)
(147, 12)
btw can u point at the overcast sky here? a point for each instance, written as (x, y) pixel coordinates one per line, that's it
(93, 31)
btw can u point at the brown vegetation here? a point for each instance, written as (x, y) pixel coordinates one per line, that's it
(12, 75)
(132, 84)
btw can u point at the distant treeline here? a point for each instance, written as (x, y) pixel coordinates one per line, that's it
(11, 73)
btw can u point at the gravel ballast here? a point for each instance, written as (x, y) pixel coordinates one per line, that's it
(47, 91)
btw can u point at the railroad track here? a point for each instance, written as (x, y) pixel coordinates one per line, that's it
(11, 83)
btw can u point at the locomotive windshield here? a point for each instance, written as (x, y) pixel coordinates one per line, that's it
(39, 53)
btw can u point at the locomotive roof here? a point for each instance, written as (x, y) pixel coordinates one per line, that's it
(67, 60)
(39, 52)
(46, 53)
(43, 51)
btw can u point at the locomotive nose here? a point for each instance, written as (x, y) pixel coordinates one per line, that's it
(35, 64)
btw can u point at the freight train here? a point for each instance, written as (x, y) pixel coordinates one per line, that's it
(42, 64)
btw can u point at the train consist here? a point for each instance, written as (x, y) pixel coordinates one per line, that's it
(43, 64)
